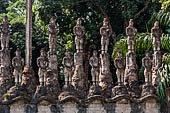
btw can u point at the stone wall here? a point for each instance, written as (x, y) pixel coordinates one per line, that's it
(96, 104)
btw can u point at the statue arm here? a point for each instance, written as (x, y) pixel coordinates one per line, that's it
(38, 62)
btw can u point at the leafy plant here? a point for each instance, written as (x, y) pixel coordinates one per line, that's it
(164, 74)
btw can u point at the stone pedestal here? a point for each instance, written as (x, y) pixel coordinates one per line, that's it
(148, 90)
(119, 90)
(95, 90)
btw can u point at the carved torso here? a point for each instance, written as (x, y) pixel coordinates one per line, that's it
(42, 62)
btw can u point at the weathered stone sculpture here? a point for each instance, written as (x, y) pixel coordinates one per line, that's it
(53, 30)
(94, 62)
(120, 89)
(119, 63)
(18, 64)
(105, 32)
(157, 33)
(131, 33)
(5, 59)
(131, 79)
(95, 89)
(157, 56)
(68, 70)
(147, 64)
(147, 88)
(42, 63)
(79, 31)
(4, 29)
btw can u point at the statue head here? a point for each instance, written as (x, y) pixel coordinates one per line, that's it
(5, 18)
(52, 20)
(131, 22)
(119, 54)
(147, 53)
(69, 53)
(156, 24)
(95, 53)
(105, 22)
(79, 21)
(43, 52)
(18, 52)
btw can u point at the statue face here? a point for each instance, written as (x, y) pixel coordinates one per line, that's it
(95, 53)
(18, 53)
(79, 22)
(147, 54)
(119, 54)
(43, 54)
(5, 19)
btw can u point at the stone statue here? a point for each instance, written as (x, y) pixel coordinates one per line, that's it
(131, 33)
(105, 32)
(79, 31)
(4, 29)
(18, 64)
(53, 30)
(42, 63)
(68, 70)
(94, 62)
(157, 33)
(119, 63)
(147, 63)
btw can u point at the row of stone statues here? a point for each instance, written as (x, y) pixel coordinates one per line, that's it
(76, 81)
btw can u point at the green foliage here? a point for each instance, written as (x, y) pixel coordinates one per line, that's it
(6, 95)
(164, 74)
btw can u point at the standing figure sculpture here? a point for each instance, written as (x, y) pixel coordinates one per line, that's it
(4, 29)
(131, 33)
(105, 32)
(68, 70)
(147, 63)
(42, 63)
(94, 62)
(53, 30)
(79, 31)
(18, 64)
(157, 33)
(119, 63)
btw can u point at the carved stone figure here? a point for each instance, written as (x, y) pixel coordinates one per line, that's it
(131, 33)
(157, 33)
(105, 32)
(4, 29)
(94, 62)
(42, 63)
(79, 31)
(53, 30)
(147, 63)
(119, 63)
(18, 64)
(68, 70)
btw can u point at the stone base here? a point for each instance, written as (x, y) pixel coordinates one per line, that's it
(66, 92)
(148, 90)
(95, 90)
(120, 90)
(40, 91)
(134, 89)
